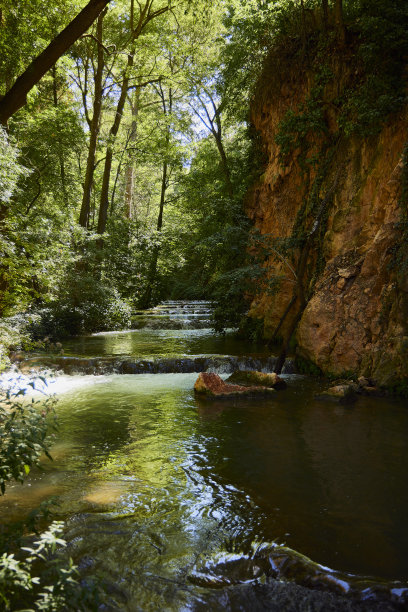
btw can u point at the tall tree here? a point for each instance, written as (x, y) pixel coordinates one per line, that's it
(146, 15)
(130, 169)
(94, 125)
(339, 21)
(167, 108)
(209, 113)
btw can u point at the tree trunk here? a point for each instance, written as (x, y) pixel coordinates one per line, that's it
(224, 163)
(60, 153)
(94, 129)
(16, 97)
(130, 170)
(303, 26)
(325, 8)
(144, 17)
(338, 18)
(147, 297)
(104, 199)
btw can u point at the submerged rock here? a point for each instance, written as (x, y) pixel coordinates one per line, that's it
(251, 377)
(347, 391)
(211, 385)
(343, 393)
(303, 584)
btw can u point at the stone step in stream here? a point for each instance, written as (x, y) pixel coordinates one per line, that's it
(175, 314)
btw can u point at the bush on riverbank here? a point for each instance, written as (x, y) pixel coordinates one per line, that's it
(36, 575)
(83, 305)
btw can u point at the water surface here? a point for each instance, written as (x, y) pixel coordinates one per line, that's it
(167, 496)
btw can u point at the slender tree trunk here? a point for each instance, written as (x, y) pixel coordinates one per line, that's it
(224, 163)
(130, 170)
(325, 7)
(147, 297)
(303, 27)
(338, 18)
(299, 294)
(84, 216)
(299, 291)
(60, 153)
(104, 199)
(16, 97)
(144, 17)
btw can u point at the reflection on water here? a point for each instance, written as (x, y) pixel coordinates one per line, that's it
(157, 486)
(160, 342)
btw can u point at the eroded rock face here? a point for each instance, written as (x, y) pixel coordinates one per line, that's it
(356, 318)
(212, 386)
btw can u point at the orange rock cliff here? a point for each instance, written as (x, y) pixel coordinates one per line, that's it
(339, 286)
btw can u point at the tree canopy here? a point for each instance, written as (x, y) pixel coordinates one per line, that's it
(129, 147)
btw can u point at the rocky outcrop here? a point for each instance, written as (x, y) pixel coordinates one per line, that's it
(347, 391)
(211, 386)
(342, 393)
(353, 314)
(251, 377)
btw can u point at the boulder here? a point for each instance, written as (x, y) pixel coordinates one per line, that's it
(368, 386)
(210, 385)
(251, 377)
(342, 393)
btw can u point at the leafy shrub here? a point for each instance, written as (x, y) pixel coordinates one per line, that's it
(83, 305)
(55, 589)
(23, 433)
(24, 436)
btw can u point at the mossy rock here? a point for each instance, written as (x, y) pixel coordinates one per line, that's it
(342, 393)
(251, 377)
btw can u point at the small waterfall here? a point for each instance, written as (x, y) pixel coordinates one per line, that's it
(155, 346)
(220, 364)
(175, 314)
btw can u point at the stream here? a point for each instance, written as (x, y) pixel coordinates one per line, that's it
(277, 503)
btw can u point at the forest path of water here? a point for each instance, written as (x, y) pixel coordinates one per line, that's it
(183, 505)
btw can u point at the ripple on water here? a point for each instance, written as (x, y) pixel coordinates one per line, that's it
(177, 505)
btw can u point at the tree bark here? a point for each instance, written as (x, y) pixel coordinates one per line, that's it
(16, 97)
(215, 126)
(130, 170)
(147, 297)
(104, 199)
(60, 153)
(338, 18)
(325, 8)
(144, 17)
(224, 163)
(94, 129)
(303, 27)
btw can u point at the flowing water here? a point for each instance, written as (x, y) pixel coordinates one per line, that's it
(182, 504)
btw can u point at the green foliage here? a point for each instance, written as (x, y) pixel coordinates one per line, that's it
(216, 264)
(301, 128)
(379, 89)
(253, 29)
(84, 304)
(304, 366)
(23, 433)
(399, 261)
(55, 589)
(37, 575)
(10, 169)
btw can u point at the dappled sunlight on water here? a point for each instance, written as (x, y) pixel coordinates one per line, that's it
(167, 496)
